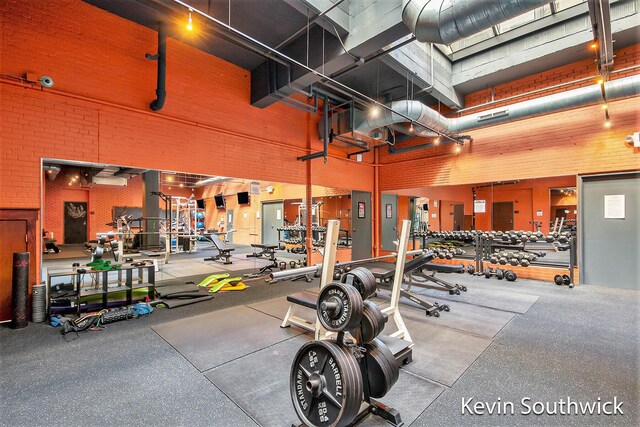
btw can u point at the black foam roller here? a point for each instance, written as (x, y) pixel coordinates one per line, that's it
(20, 291)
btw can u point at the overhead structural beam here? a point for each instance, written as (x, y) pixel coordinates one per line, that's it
(323, 53)
(600, 16)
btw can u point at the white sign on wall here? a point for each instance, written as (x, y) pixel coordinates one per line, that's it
(254, 188)
(614, 206)
(538, 213)
(434, 215)
(479, 206)
(278, 214)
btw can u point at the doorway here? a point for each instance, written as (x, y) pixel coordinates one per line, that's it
(389, 221)
(272, 219)
(502, 216)
(75, 222)
(361, 225)
(12, 239)
(458, 217)
(229, 226)
(609, 207)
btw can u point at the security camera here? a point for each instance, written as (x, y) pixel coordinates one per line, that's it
(46, 81)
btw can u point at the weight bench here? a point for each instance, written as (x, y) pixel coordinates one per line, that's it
(400, 348)
(304, 299)
(268, 252)
(224, 251)
(419, 278)
(385, 278)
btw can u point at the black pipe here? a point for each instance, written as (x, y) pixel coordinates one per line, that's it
(20, 291)
(161, 57)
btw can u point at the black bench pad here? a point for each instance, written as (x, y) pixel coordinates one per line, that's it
(305, 299)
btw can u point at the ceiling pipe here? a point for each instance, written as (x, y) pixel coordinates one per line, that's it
(424, 116)
(445, 21)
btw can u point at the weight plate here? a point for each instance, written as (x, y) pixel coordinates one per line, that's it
(558, 280)
(373, 321)
(499, 274)
(325, 384)
(487, 272)
(382, 368)
(339, 307)
(363, 280)
(566, 279)
(510, 275)
(471, 269)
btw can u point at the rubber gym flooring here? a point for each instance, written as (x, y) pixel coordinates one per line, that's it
(225, 362)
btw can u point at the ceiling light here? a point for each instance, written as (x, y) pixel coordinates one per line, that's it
(605, 106)
(169, 178)
(181, 185)
(594, 45)
(411, 127)
(374, 111)
(437, 140)
(190, 22)
(607, 123)
(458, 149)
(600, 81)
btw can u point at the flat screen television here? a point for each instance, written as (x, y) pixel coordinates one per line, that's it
(425, 207)
(200, 203)
(219, 198)
(243, 198)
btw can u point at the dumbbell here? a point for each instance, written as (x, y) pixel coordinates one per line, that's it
(471, 269)
(499, 273)
(562, 280)
(502, 260)
(514, 261)
(524, 262)
(493, 260)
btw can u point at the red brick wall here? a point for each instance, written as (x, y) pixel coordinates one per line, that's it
(624, 58)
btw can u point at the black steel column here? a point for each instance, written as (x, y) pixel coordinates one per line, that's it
(151, 209)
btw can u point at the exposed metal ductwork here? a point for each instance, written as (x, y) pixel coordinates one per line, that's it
(422, 115)
(445, 21)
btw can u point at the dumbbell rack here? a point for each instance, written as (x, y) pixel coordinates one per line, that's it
(484, 250)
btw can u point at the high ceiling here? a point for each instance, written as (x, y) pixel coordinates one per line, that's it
(348, 42)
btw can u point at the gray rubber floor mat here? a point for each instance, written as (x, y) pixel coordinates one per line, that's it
(211, 339)
(507, 301)
(259, 384)
(470, 318)
(277, 307)
(441, 354)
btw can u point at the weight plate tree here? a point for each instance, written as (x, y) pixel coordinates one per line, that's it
(373, 321)
(382, 368)
(326, 384)
(363, 280)
(339, 307)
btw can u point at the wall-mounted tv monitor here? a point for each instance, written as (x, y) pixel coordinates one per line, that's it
(200, 203)
(243, 198)
(219, 198)
(425, 207)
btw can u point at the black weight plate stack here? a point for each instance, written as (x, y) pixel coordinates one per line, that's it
(382, 368)
(325, 373)
(373, 321)
(363, 280)
(339, 307)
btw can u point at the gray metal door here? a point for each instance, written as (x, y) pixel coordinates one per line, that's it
(361, 225)
(389, 221)
(610, 246)
(272, 218)
(229, 225)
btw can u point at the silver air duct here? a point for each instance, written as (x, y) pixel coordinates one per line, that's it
(427, 117)
(445, 21)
